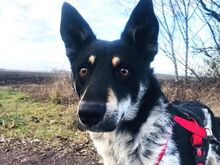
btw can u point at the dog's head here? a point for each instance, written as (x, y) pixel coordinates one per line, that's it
(110, 77)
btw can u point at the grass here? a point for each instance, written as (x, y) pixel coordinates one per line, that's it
(57, 91)
(206, 93)
(41, 116)
(23, 117)
(45, 111)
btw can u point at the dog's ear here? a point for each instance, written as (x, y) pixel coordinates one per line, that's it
(142, 28)
(75, 31)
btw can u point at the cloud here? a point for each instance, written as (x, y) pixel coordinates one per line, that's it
(30, 31)
(29, 35)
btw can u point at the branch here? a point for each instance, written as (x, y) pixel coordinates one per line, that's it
(215, 3)
(212, 31)
(182, 63)
(212, 13)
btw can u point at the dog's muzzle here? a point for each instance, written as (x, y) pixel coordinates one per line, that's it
(90, 113)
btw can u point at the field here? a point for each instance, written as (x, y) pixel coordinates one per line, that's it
(38, 121)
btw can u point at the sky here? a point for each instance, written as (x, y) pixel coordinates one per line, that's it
(30, 38)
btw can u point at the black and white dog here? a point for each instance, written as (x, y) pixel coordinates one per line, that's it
(121, 103)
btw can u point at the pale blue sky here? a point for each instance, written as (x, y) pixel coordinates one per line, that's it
(30, 39)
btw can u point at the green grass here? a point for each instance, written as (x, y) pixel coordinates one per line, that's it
(22, 117)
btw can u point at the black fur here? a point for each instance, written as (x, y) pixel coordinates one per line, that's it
(150, 100)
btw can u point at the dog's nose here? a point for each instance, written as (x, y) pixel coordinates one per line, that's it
(91, 113)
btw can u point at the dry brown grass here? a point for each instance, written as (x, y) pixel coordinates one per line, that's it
(208, 93)
(60, 91)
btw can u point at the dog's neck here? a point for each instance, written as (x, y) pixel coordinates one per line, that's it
(152, 98)
(144, 134)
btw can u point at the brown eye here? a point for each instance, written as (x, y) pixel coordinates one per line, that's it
(124, 72)
(83, 72)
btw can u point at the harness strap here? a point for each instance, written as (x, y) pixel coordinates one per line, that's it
(161, 154)
(198, 135)
(191, 126)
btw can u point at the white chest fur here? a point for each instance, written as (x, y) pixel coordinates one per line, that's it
(143, 149)
(116, 149)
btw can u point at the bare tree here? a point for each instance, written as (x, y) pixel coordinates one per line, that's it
(167, 30)
(184, 13)
(183, 34)
(211, 49)
(209, 11)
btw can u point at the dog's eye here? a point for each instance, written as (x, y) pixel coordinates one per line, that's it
(124, 72)
(83, 72)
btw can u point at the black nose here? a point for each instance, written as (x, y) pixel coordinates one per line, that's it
(91, 113)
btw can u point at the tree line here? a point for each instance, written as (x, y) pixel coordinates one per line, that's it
(189, 32)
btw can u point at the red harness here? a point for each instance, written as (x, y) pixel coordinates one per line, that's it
(198, 135)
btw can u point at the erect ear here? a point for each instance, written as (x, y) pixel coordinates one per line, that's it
(142, 28)
(75, 31)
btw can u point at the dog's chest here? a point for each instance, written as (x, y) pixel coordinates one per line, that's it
(143, 148)
(120, 149)
(123, 150)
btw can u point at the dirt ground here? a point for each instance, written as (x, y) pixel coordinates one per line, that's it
(35, 152)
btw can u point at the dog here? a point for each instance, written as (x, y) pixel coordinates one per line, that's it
(122, 106)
